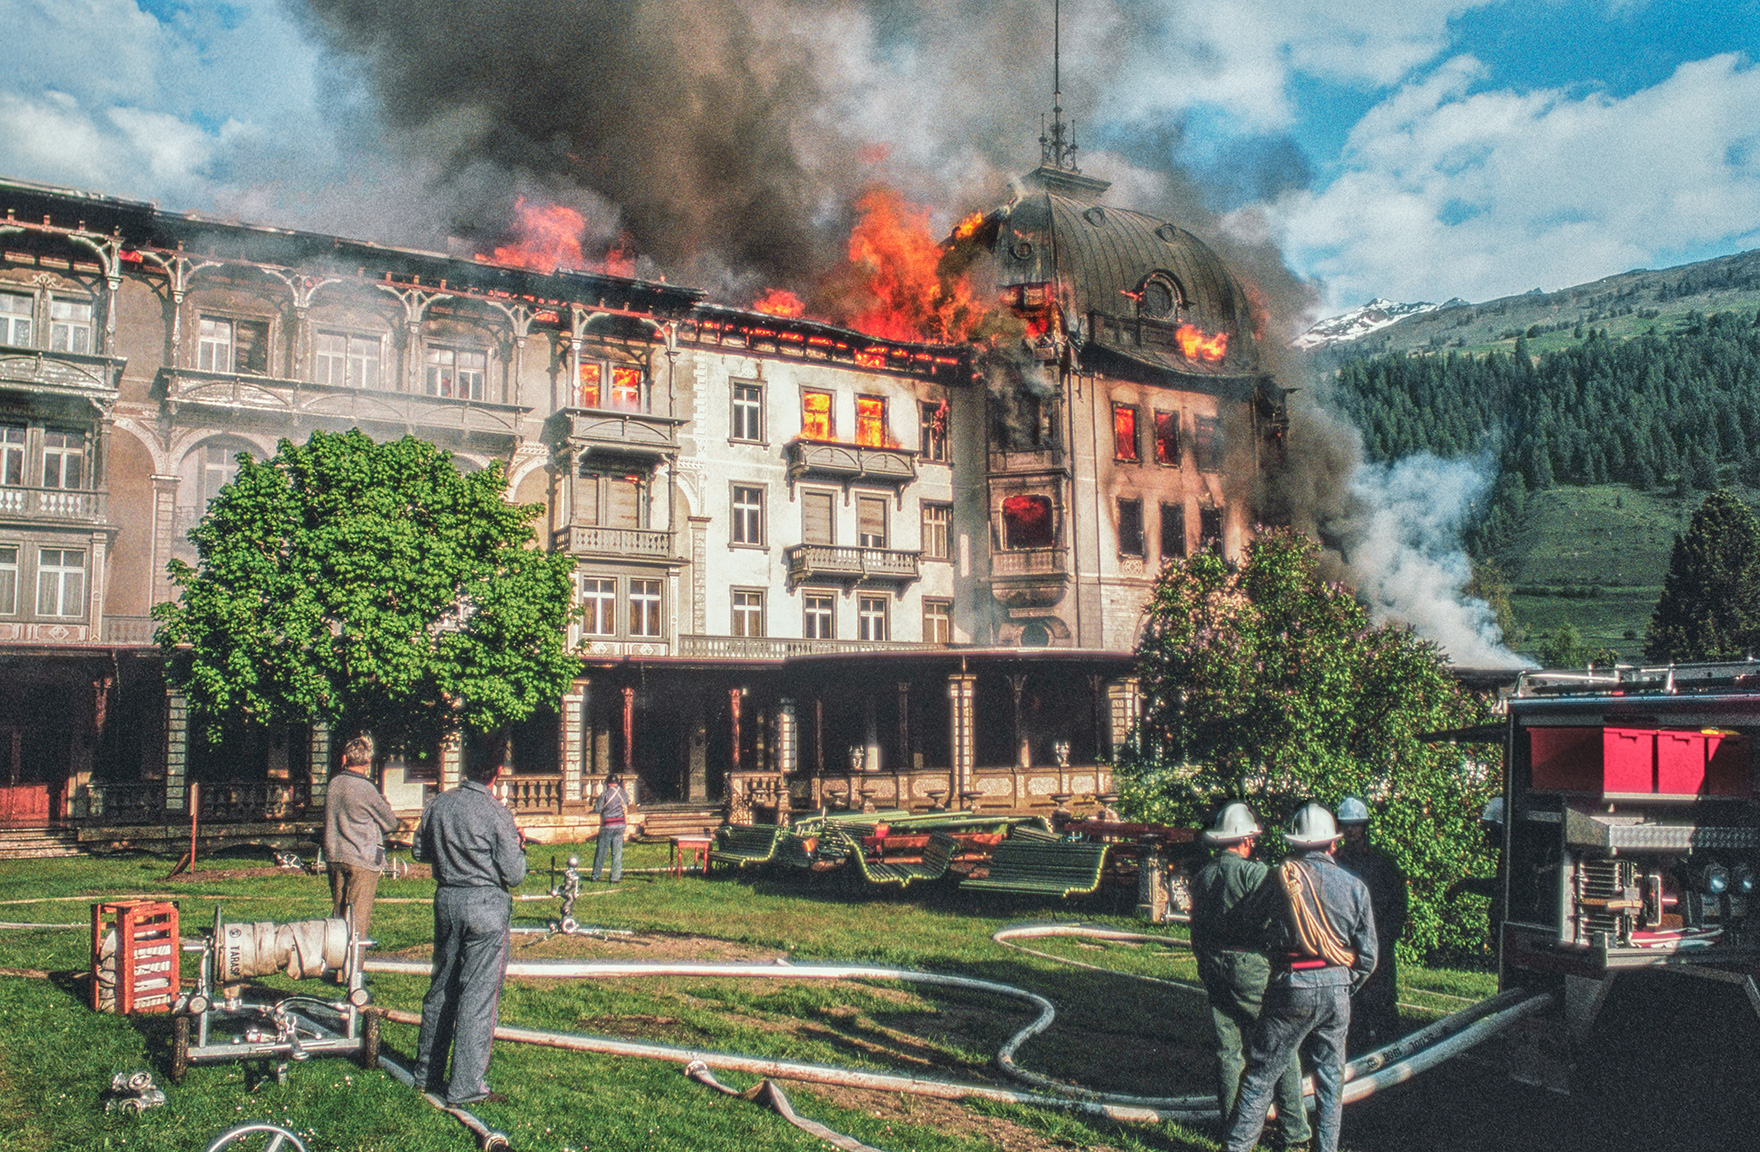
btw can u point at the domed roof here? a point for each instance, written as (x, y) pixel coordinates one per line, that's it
(1130, 283)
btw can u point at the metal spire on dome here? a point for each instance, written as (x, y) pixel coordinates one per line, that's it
(1055, 150)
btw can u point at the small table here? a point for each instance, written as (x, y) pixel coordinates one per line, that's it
(695, 848)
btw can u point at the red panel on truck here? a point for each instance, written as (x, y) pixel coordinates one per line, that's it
(1565, 759)
(1629, 764)
(1680, 763)
(1729, 770)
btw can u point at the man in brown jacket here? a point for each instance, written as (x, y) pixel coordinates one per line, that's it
(356, 818)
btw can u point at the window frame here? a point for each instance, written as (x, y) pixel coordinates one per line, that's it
(10, 320)
(939, 610)
(883, 503)
(431, 348)
(61, 571)
(746, 521)
(746, 425)
(818, 604)
(74, 455)
(351, 378)
(598, 604)
(14, 568)
(830, 431)
(873, 618)
(260, 327)
(1172, 421)
(1130, 510)
(14, 453)
(1120, 440)
(652, 614)
(747, 610)
(88, 327)
(937, 530)
(932, 432)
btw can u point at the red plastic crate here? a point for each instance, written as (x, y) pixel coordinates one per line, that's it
(149, 954)
(1680, 763)
(1628, 761)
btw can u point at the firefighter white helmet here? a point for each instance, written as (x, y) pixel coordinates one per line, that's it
(1352, 810)
(1232, 825)
(1311, 827)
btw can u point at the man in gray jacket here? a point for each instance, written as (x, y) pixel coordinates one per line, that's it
(1331, 927)
(472, 842)
(356, 818)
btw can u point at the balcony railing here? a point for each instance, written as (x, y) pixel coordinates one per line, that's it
(827, 562)
(1017, 460)
(52, 503)
(531, 793)
(897, 466)
(252, 802)
(129, 803)
(782, 648)
(631, 543)
(61, 372)
(232, 392)
(1030, 562)
(129, 630)
(625, 433)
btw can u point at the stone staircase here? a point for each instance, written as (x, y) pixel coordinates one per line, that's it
(663, 821)
(38, 843)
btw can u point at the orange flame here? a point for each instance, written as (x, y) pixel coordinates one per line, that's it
(896, 261)
(965, 228)
(549, 236)
(621, 259)
(1194, 345)
(780, 302)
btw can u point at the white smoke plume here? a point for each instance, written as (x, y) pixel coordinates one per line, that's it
(1401, 544)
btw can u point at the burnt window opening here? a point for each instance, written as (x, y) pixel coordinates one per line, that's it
(1130, 528)
(871, 430)
(622, 387)
(816, 416)
(1167, 439)
(1022, 421)
(1207, 443)
(1124, 433)
(932, 430)
(1027, 523)
(222, 344)
(1173, 532)
(1210, 529)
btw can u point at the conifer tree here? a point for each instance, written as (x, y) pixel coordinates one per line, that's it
(1710, 604)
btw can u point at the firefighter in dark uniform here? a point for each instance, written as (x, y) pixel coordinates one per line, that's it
(474, 846)
(1331, 933)
(1231, 915)
(1375, 1010)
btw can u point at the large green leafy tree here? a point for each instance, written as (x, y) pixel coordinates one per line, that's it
(1264, 682)
(372, 587)
(1710, 604)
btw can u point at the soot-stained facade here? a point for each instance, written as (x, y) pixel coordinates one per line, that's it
(814, 566)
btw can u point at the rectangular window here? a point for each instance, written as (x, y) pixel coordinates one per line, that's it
(932, 430)
(1130, 527)
(748, 411)
(12, 437)
(457, 373)
(591, 383)
(8, 581)
(1124, 432)
(219, 466)
(871, 618)
(748, 612)
(937, 531)
(1167, 438)
(1027, 522)
(61, 582)
(239, 346)
(1207, 443)
(1173, 532)
(820, 616)
(644, 608)
(816, 416)
(871, 521)
(70, 326)
(1210, 529)
(748, 515)
(15, 318)
(819, 517)
(626, 388)
(599, 602)
(343, 360)
(64, 454)
(938, 621)
(871, 430)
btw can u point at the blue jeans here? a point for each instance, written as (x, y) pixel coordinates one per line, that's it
(463, 1001)
(1296, 1018)
(610, 844)
(1236, 983)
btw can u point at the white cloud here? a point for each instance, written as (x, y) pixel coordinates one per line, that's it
(1448, 192)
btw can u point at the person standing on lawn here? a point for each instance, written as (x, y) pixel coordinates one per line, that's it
(1331, 931)
(613, 808)
(1230, 920)
(1375, 1011)
(356, 819)
(474, 846)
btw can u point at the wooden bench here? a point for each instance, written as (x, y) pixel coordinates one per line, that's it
(745, 845)
(937, 854)
(1034, 865)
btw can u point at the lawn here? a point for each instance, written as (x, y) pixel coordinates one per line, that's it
(1113, 1032)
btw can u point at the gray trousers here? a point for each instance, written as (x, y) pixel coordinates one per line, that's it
(463, 1001)
(1296, 1018)
(1235, 982)
(610, 844)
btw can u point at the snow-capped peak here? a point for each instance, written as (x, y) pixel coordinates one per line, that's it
(1359, 322)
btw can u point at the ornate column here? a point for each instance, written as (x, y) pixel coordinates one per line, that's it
(961, 732)
(787, 753)
(318, 765)
(416, 301)
(1124, 707)
(176, 752)
(451, 761)
(574, 702)
(1023, 744)
(164, 530)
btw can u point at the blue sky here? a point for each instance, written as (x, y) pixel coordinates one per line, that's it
(1417, 149)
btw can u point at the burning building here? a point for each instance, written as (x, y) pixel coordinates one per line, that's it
(815, 564)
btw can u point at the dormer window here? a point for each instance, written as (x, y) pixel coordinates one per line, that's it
(1160, 297)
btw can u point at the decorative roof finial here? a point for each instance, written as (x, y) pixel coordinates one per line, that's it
(1057, 148)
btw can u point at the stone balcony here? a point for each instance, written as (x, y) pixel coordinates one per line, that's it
(831, 460)
(62, 505)
(303, 403)
(1029, 577)
(640, 544)
(783, 647)
(71, 374)
(809, 562)
(638, 434)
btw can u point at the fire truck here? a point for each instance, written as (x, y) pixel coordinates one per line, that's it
(1631, 849)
